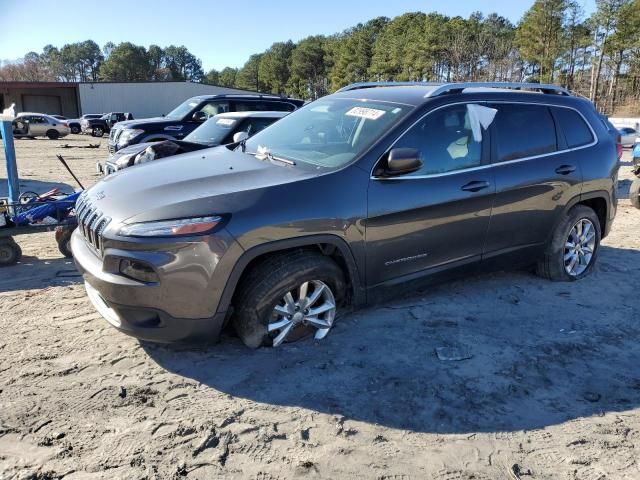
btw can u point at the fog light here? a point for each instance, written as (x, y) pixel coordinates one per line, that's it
(138, 271)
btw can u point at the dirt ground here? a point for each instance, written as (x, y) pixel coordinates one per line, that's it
(550, 388)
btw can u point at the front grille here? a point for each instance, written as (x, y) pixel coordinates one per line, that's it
(91, 222)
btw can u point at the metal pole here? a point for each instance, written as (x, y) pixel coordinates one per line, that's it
(10, 156)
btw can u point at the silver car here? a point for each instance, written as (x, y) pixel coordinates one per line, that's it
(628, 136)
(33, 125)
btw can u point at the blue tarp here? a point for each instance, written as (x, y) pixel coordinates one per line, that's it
(55, 209)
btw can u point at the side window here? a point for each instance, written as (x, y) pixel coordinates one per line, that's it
(215, 108)
(523, 131)
(449, 139)
(257, 124)
(245, 106)
(38, 120)
(576, 131)
(280, 107)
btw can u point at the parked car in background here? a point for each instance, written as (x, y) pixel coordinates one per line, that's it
(33, 125)
(75, 124)
(59, 117)
(628, 136)
(97, 127)
(189, 115)
(217, 130)
(374, 186)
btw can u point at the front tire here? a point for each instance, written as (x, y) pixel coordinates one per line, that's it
(573, 249)
(10, 252)
(287, 297)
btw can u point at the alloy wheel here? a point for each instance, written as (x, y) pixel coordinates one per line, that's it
(311, 306)
(579, 247)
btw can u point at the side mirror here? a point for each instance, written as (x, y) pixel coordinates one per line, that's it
(199, 117)
(401, 161)
(240, 136)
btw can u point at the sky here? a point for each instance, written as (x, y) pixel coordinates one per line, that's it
(219, 33)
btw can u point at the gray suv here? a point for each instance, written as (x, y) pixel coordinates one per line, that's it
(377, 185)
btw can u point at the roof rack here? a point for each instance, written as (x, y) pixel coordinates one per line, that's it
(459, 87)
(444, 88)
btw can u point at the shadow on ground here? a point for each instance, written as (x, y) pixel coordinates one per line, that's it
(33, 273)
(541, 353)
(36, 186)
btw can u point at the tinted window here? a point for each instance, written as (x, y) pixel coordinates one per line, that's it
(280, 107)
(523, 131)
(445, 140)
(576, 131)
(255, 125)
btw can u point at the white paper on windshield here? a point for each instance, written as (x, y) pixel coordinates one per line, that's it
(225, 121)
(363, 112)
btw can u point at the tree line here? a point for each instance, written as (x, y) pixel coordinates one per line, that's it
(87, 62)
(597, 56)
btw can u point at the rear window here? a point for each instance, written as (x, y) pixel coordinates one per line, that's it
(576, 132)
(523, 131)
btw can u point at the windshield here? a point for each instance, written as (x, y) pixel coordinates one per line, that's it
(213, 131)
(181, 110)
(328, 132)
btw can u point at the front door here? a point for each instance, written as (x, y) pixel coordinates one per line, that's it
(438, 216)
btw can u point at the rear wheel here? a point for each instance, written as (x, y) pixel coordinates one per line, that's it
(53, 134)
(10, 252)
(97, 131)
(573, 249)
(634, 193)
(63, 237)
(288, 297)
(75, 129)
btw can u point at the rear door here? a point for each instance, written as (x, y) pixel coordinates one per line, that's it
(37, 126)
(536, 175)
(435, 218)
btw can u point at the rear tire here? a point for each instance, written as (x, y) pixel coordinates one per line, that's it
(10, 252)
(63, 237)
(53, 134)
(97, 131)
(75, 129)
(555, 263)
(634, 193)
(264, 287)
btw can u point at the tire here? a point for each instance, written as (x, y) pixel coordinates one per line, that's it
(53, 134)
(10, 252)
(552, 265)
(75, 129)
(263, 289)
(97, 132)
(634, 193)
(63, 238)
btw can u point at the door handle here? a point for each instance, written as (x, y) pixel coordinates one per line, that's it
(565, 169)
(475, 186)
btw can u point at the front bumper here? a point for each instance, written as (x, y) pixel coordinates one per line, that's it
(182, 306)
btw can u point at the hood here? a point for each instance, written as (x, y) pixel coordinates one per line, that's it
(212, 181)
(131, 149)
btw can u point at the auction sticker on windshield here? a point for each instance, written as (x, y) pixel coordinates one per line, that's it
(363, 112)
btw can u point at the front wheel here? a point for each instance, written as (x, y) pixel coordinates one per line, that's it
(573, 249)
(10, 252)
(288, 297)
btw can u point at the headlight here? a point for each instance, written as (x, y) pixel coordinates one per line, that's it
(127, 135)
(170, 228)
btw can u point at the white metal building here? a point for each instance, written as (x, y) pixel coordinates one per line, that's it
(142, 99)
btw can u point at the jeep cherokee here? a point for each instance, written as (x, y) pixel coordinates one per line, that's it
(377, 184)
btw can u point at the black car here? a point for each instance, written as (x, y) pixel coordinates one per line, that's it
(344, 200)
(217, 130)
(189, 115)
(97, 127)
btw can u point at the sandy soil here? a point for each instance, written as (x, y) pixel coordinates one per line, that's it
(550, 388)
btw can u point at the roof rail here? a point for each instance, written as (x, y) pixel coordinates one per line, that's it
(443, 88)
(361, 85)
(459, 87)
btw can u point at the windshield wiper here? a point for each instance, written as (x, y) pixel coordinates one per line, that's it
(271, 157)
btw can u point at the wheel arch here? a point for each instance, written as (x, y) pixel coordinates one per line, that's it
(330, 245)
(599, 201)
